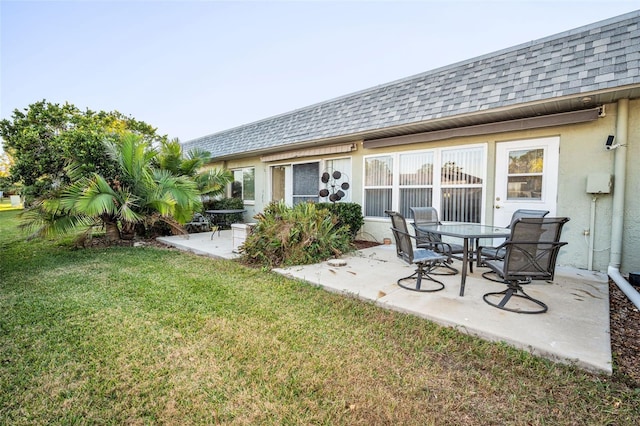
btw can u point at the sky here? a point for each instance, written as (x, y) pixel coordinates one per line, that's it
(193, 68)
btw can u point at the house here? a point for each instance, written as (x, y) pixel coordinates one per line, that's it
(552, 124)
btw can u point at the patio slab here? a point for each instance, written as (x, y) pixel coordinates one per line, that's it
(575, 330)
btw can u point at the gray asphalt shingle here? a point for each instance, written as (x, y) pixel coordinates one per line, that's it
(599, 56)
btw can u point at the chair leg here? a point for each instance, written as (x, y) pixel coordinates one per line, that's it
(451, 269)
(414, 281)
(514, 289)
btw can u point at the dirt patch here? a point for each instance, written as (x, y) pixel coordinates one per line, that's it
(362, 244)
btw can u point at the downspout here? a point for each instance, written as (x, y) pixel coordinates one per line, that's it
(617, 222)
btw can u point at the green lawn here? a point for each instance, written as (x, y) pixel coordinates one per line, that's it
(146, 336)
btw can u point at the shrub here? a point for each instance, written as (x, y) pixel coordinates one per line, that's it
(301, 235)
(226, 204)
(349, 214)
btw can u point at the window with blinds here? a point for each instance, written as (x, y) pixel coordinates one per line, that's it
(378, 185)
(461, 184)
(415, 181)
(451, 179)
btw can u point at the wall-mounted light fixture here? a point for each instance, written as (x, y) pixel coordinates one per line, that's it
(609, 143)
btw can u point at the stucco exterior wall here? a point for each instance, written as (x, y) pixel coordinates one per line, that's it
(631, 234)
(582, 152)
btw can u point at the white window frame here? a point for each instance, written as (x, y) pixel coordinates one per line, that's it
(437, 181)
(242, 169)
(322, 165)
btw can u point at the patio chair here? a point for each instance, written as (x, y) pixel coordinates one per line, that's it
(424, 259)
(429, 216)
(530, 254)
(198, 223)
(484, 253)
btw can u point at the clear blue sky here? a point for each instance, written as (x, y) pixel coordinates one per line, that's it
(192, 68)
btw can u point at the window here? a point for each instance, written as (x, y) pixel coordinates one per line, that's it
(461, 182)
(343, 166)
(452, 180)
(378, 185)
(416, 180)
(525, 174)
(244, 184)
(301, 182)
(306, 182)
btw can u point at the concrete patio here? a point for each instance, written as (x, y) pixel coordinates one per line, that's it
(574, 330)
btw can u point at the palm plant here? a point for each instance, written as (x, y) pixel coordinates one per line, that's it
(210, 182)
(139, 193)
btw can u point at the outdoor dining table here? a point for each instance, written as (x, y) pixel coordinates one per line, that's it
(219, 217)
(469, 232)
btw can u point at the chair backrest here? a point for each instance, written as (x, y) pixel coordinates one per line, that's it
(404, 246)
(520, 213)
(532, 248)
(425, 216)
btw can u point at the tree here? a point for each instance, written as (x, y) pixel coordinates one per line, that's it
(46, 137)
(137, 193)
(5, 178)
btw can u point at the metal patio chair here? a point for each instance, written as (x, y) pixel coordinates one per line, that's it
(485, 252)
(425, 216)
(530, 254)
(423, 258)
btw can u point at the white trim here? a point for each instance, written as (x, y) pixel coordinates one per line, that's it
(437, 182)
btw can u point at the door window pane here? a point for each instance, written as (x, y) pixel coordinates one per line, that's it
(526, 161)
(524, 180)
(524, 187)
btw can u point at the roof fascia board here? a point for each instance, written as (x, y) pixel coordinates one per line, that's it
(489, 128)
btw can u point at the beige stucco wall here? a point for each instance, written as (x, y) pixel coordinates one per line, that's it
(581, 152)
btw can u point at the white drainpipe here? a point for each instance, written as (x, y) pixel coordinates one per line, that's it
(617, 223)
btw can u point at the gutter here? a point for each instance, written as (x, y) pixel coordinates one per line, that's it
(617, 224)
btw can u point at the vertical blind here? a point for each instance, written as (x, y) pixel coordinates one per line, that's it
(378, 185)
(461, 181)
(449, 179)
(415, 181)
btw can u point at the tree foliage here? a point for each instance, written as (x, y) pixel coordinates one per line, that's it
(46, 137)
(137, 196)
(210, 182)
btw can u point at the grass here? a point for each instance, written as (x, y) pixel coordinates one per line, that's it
(146, 335)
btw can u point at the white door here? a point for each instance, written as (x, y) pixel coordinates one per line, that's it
(526, 177)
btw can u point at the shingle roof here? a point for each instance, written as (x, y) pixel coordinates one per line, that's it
(596, 57)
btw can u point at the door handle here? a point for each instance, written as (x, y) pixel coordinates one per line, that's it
(497, 206)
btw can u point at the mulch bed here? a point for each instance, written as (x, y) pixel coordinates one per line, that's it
(625, 336)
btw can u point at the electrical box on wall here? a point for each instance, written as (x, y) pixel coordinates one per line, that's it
(599, 183)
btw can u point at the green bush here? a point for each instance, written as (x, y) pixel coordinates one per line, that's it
(226, 204)
(304, 234)
(349, 214)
